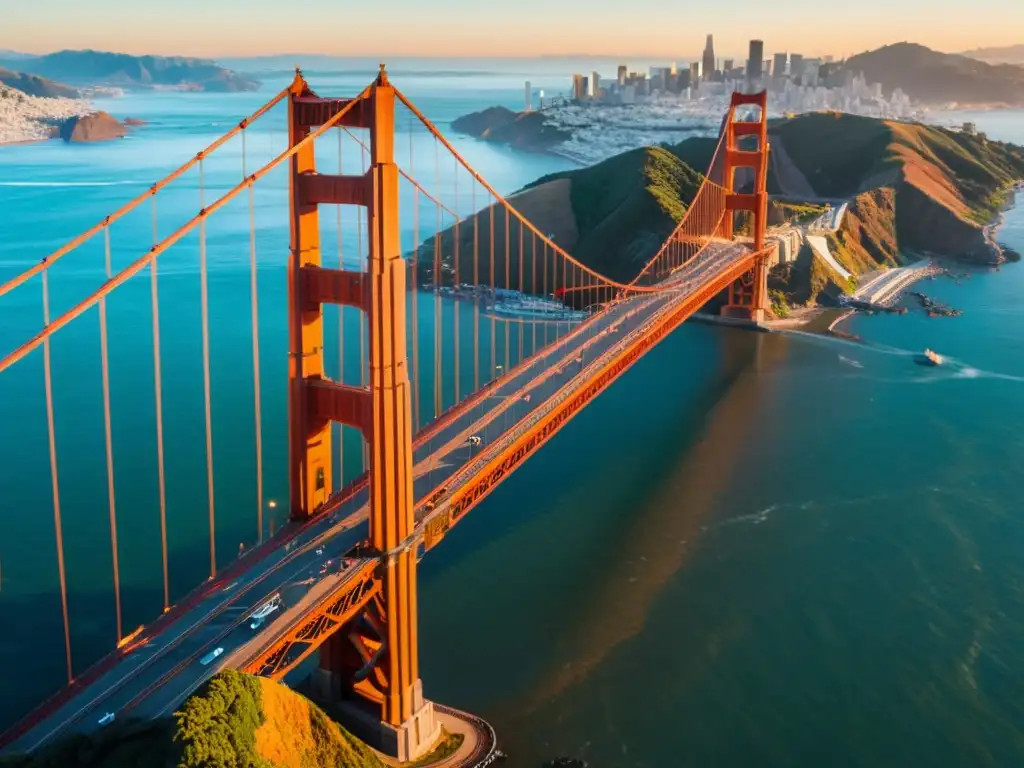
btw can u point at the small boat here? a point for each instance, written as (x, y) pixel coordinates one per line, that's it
(930, 358)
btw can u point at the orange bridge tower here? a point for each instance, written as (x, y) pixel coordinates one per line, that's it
(374, 664)
(746, 146)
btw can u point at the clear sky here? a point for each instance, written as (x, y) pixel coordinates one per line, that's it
(673, 28)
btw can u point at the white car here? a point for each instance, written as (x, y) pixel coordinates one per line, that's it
(261, 613)
(107, 719)
(211, 656)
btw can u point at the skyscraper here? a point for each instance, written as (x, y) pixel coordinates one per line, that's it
(779, 67)
(595, 85)
(622, 74)
(579, 87)
(528, 93)
(708, 61)
(755, 61)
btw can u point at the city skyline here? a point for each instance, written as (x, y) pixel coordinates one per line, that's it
(526, 29)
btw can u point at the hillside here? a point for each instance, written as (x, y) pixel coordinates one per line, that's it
(33, 85)
(612, 216)
(932, 77)
(911, 189)
(522, 130)
(90, 68)
(234, 720)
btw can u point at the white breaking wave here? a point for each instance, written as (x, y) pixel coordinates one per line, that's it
(70, 183)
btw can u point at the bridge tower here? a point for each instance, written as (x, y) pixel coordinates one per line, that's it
(377, 658)
(748, 296)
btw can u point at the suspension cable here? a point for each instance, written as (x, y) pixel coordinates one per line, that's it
(254, 292)
(415, 290)
(139, 264)
(105, 372)
(205, 310)
(134, 203)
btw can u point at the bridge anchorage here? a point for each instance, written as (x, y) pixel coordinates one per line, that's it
(417, 482)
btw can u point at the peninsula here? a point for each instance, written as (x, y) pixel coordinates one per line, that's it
(899, 191)
(102, 68)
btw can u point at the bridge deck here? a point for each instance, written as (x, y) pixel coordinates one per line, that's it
(154, 678)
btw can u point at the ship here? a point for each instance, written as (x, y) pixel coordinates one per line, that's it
(930, 358)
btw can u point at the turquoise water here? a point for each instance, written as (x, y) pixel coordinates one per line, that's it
(771, 550)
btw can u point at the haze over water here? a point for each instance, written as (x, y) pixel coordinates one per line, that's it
(751, 550)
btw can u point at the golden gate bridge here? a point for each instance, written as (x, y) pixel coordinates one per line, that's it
(444, 416)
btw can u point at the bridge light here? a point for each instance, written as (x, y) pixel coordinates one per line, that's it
(272, 504)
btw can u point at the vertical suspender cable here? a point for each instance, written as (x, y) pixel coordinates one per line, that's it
(363, 267)
(522, 289)
(476, 293)
(533, 283)
(257, 411)
(105, 371)
(341, 330)
(494, 296)
(415, 291)
(438, 384)
(508, 286)
(205, 309)
(48, 380)
(415, 304)
(456, 304)
(159, 400)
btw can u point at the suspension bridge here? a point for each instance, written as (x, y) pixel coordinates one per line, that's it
(476, 337)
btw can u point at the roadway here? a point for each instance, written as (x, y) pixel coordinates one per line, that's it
(154, 678)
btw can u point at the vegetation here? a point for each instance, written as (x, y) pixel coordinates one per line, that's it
(449, 745)
(233, 721)
(780, 306)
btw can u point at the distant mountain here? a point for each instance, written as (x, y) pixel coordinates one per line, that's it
(33, 85)
(9, 55)
(939, 78)
(1010, 54)
(120, 69)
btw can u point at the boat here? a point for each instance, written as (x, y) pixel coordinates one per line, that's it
(930, 358)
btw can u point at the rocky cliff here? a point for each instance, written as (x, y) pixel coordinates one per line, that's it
(98, 126)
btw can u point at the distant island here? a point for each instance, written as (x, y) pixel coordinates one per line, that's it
(1010, 54)
(911, 191)
(100, 68)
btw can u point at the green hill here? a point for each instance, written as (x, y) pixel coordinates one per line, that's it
(620, 211)
(234, 720)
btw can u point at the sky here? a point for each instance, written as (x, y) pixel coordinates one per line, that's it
(476, 28)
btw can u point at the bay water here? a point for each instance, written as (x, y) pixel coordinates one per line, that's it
(753, 549)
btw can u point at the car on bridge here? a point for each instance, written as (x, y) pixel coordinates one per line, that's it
(261, 613)
(211, 656)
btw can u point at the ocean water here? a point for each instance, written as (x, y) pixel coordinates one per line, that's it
(753, 549)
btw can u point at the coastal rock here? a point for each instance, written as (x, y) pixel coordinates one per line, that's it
(134, 122)
(98, 126)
